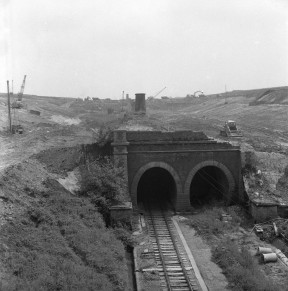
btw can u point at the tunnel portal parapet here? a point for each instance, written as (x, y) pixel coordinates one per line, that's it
(182, 154)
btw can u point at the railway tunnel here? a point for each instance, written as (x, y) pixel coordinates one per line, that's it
(156, 188)
(209, 186)
(180, 168)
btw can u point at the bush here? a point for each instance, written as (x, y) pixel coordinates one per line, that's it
(208, 222)
(104, 184)
(125, 236)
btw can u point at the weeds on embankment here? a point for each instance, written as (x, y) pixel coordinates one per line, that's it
(208, 222)
(240, 267)
(58, 240)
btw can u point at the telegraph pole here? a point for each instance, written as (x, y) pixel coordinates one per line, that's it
(122, 101)
(9, 108)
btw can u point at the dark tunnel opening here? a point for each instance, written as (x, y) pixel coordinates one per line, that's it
(209, 186)
(156, 189)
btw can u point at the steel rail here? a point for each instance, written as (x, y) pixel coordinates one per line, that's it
(168, 279)
(177, 252)
(160, 252)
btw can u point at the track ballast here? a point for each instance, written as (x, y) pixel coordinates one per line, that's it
(173, 265)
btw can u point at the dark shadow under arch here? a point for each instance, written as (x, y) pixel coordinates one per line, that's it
(209, 186)
(156, 188)
(210, 176)
(164, 172)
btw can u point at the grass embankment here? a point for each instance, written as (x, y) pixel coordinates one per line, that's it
(241, 268)
(56, 240)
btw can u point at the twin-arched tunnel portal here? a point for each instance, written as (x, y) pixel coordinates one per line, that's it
(178, 169)
(207, 186)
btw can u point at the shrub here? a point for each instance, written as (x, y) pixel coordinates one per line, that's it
(104, 184)
(125, 236)
(208, 222)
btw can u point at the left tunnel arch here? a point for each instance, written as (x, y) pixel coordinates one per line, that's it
(156, 176)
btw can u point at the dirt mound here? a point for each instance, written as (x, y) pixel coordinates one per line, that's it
(64, 120)
(61, 160)
(272, 96)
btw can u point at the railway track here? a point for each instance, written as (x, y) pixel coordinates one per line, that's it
(173, 265)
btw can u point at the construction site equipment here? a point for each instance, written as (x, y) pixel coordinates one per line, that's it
(18, 103)
(262, 250)
(9, 108)
(20, 94)
(17, 128)
(198, 94)
(267, 258)
(230, 130)
(152, 97)
(35, 112)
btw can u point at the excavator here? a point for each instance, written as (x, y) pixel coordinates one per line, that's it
(230, 129)
(18, 103)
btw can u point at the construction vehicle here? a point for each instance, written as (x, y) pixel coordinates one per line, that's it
(18, 103)
(17, 128)
(198, 94)
(230, 129)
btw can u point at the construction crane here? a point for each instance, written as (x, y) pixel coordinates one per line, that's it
(20, 94)
(18, 103)
(159, 92)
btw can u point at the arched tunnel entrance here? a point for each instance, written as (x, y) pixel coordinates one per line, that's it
(209, 186)
(156, 188)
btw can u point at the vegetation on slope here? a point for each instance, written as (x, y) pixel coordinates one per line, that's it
(231, 249)
(240, 267)
(56, 240)
(103, 183)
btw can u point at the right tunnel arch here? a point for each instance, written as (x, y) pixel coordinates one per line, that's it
(208, 181)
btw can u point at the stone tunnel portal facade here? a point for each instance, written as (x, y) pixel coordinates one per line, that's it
(180, 168)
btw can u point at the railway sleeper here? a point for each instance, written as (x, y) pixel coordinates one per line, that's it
(171, 269)
(167, 256)
(179, 284)
(182, 289)
(164, 252)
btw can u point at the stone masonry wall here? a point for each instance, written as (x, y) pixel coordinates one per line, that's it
(179, 153)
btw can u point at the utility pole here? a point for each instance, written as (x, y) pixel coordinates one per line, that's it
(122, 101)
(9, 109)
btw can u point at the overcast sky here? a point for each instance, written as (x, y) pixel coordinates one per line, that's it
(103, 47)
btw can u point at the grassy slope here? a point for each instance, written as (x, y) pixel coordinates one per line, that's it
(53, 240)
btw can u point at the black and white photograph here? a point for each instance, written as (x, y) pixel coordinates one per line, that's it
(144, 145)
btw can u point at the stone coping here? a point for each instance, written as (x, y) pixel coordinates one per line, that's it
(267, 202)
(124, 205)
